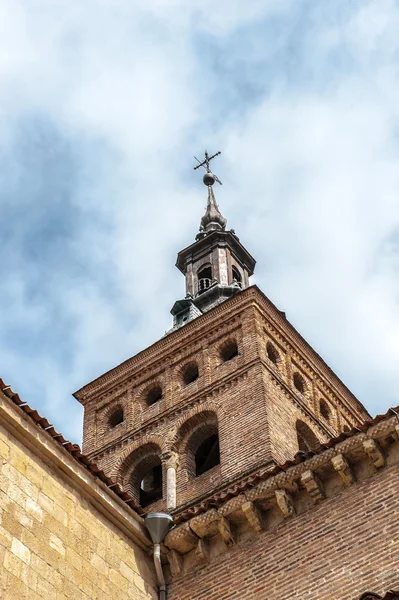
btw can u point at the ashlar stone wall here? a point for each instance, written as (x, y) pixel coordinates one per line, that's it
(63, 534)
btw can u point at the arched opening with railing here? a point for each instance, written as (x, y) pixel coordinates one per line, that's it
(236, 275)
(204, 276)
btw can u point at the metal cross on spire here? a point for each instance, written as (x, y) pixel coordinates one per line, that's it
(209, 178)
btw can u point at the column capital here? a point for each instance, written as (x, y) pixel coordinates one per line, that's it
(170, 459)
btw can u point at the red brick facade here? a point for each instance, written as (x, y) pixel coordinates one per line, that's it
(286, 511)
(335, 551)
(257, 401)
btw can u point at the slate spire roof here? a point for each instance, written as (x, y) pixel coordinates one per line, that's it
(213, 218)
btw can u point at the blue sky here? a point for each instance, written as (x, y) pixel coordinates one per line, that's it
(102, 106)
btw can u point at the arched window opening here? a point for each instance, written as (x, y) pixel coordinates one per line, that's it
(325, 409)
(236, 275)
(153, 395)
(299, 383)
(116, 417)
(151, 485)
(307, 439)
(272, 353)
(204, 276)
(198, 444)
(141, 474)
(229, 350)
(190, 373)
(207, 455)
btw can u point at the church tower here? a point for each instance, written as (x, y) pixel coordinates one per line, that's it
(231, 391)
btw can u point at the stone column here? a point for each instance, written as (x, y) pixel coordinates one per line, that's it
(171, 462)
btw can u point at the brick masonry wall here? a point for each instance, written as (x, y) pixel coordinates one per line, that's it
(254, 400)
(54, 544)
(336, 551)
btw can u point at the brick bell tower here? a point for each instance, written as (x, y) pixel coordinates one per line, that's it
(231, 391)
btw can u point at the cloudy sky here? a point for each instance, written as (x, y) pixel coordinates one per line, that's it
(103, 104)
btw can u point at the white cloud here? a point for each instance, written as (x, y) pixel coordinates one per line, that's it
(303, 106)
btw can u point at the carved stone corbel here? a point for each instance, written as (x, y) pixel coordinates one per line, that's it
(313, 486)
(176, 562)
(181, 538)
(374, 452)
(285, 503)
(225, 531)
(254, 516)
(201, 552)
(342, 466)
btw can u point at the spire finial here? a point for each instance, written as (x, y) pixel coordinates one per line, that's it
(209, 177)
(213, 218)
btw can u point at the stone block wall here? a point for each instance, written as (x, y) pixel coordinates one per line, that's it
(63, 535)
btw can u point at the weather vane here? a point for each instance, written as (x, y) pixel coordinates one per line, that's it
(209, 177)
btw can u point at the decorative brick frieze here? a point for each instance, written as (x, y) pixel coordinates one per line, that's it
(181, 538)
(206, 525)
(232, 505)
(159, 421)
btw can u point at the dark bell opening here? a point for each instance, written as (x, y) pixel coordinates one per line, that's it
(324, 410)
(272, 353)
(204, 279)
(229, 351)
(151, 486)
(116, 418)
(154, 395)
(207, 455)
(190, 374)
(236, 275)
(299, 383)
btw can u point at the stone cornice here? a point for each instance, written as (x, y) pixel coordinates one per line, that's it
(376, 446)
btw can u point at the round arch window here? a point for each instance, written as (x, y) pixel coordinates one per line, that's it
(116, 417)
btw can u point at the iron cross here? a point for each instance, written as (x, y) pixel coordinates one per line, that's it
(205, 164)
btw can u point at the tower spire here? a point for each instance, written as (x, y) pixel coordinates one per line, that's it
(213, 218)
(216, 266)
